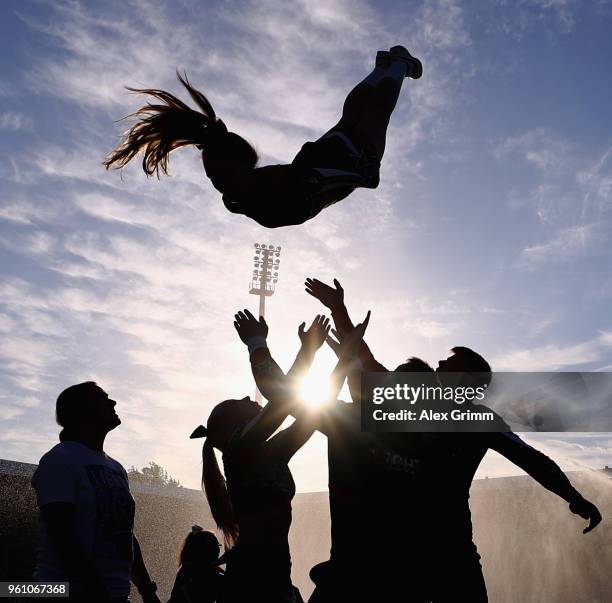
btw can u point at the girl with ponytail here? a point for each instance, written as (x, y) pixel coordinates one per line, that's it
(251, 503)
(253, 507)
(325, 171)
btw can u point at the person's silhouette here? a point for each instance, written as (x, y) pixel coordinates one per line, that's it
(325, 171)
(199, 578)
(253, 507)
(440, 498)
(86, 507)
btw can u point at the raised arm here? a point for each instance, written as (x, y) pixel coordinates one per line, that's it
(270, 379)
(546, 472)
(307, 418)
(333, 298)
(348, 355)
(311, 340)
(354, 375)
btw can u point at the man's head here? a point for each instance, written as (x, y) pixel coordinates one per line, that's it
(85, 406)
(464, 367)
(414, 365)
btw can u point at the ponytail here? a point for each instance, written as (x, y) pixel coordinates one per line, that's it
(217, 495)
(161, 128)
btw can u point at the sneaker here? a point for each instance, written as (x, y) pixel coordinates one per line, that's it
(383, 58)
(414, 68)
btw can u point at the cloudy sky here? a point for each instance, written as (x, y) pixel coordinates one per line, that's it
(491, 226)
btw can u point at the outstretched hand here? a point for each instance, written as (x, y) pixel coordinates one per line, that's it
(330, 297)
(587, 510)
(315, 336)
(248, 326)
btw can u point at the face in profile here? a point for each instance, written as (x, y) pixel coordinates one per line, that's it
(101, 409)
(246, 410)
(464, 367)
(452, 364)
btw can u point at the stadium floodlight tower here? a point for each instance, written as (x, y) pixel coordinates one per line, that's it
(265, 276)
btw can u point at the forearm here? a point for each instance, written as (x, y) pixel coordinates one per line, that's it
(140, 576)
(289, 441)
(553, 479)
(302, 363)
(269, 377)
(342, 320)
(344, 324)
(345, 367)
(275, 387)
(536, 464)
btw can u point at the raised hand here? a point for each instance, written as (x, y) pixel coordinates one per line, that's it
(315, 336)
(587, 510)
(330, 297)
(248, 326)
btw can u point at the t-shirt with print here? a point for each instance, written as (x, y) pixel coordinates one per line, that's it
(97, 486)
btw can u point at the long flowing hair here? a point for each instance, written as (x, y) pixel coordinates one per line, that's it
(218, 497)
(162, 128)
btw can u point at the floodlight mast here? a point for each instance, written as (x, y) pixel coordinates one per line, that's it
(264, 278)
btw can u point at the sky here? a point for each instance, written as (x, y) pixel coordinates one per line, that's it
(490, 228)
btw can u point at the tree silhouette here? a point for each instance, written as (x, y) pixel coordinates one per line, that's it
(153, 474)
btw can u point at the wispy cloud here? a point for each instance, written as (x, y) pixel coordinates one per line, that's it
(567, 244)
(556, 357)
(13, 120)
(570, 196)
(540, 148)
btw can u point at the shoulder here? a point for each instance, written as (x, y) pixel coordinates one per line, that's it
(491, 420)
(56, 452)
(115, 464)
(64, 453)
(57, 476)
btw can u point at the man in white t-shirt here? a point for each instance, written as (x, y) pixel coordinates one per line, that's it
(86, 508)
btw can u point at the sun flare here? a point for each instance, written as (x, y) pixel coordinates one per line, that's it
(314, 388)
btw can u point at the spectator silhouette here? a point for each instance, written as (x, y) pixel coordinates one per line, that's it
(86, 508)
(199, 578)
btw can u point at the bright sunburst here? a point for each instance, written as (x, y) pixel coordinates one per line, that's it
(314, 389)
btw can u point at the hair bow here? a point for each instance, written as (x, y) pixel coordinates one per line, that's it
(199, 432)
